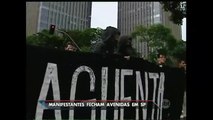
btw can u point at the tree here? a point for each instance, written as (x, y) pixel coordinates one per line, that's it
(177, 9)
(157, 37)
(83, 38)
(179, 50)
(75, 35)
(45, 39)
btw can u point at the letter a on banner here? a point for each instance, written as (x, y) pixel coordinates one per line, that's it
(51, 76)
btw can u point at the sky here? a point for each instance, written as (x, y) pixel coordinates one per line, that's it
(105, 14)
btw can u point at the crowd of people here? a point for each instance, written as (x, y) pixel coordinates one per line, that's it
(181, 64)
(112, 43)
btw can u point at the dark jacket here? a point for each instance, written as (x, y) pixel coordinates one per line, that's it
(107, 44)
(125, 46)
(174, 88)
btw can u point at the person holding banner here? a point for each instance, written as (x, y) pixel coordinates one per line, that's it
(161, 58)
(125, 46)
(182, 66)
(174, 86)
(70, 47)
(109, 41)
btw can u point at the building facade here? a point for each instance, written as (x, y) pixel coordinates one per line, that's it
(133, 14)
(65, 15)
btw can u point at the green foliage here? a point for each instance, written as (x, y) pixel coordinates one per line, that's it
(180, 50)
(85, 38)
(82, 38)
(85, 49)
(177, 9)
(75, 35)
(142, 32)
(159, 37)
(44, 39)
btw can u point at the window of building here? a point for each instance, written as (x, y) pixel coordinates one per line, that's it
(59, 6)
(157, 18)
(61, 19)
(43, 25)
(45, 4)
(63, 7)
(44, 15)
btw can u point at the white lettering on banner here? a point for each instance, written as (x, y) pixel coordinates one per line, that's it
(154, 76)
(93, 112)
(139, 85)
(74, 82)
(124, 72)
(117, 73)
(160, 95)
(104, 83)
(51, 76)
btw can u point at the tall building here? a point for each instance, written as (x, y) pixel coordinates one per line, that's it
(132, 14)
(65, 15)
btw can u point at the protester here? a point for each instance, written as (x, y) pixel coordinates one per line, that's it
(70, 47)
(161, 58)
(125, 46)
(109, 41)
(182, 66)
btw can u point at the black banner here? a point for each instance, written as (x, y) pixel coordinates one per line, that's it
(60, 76)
